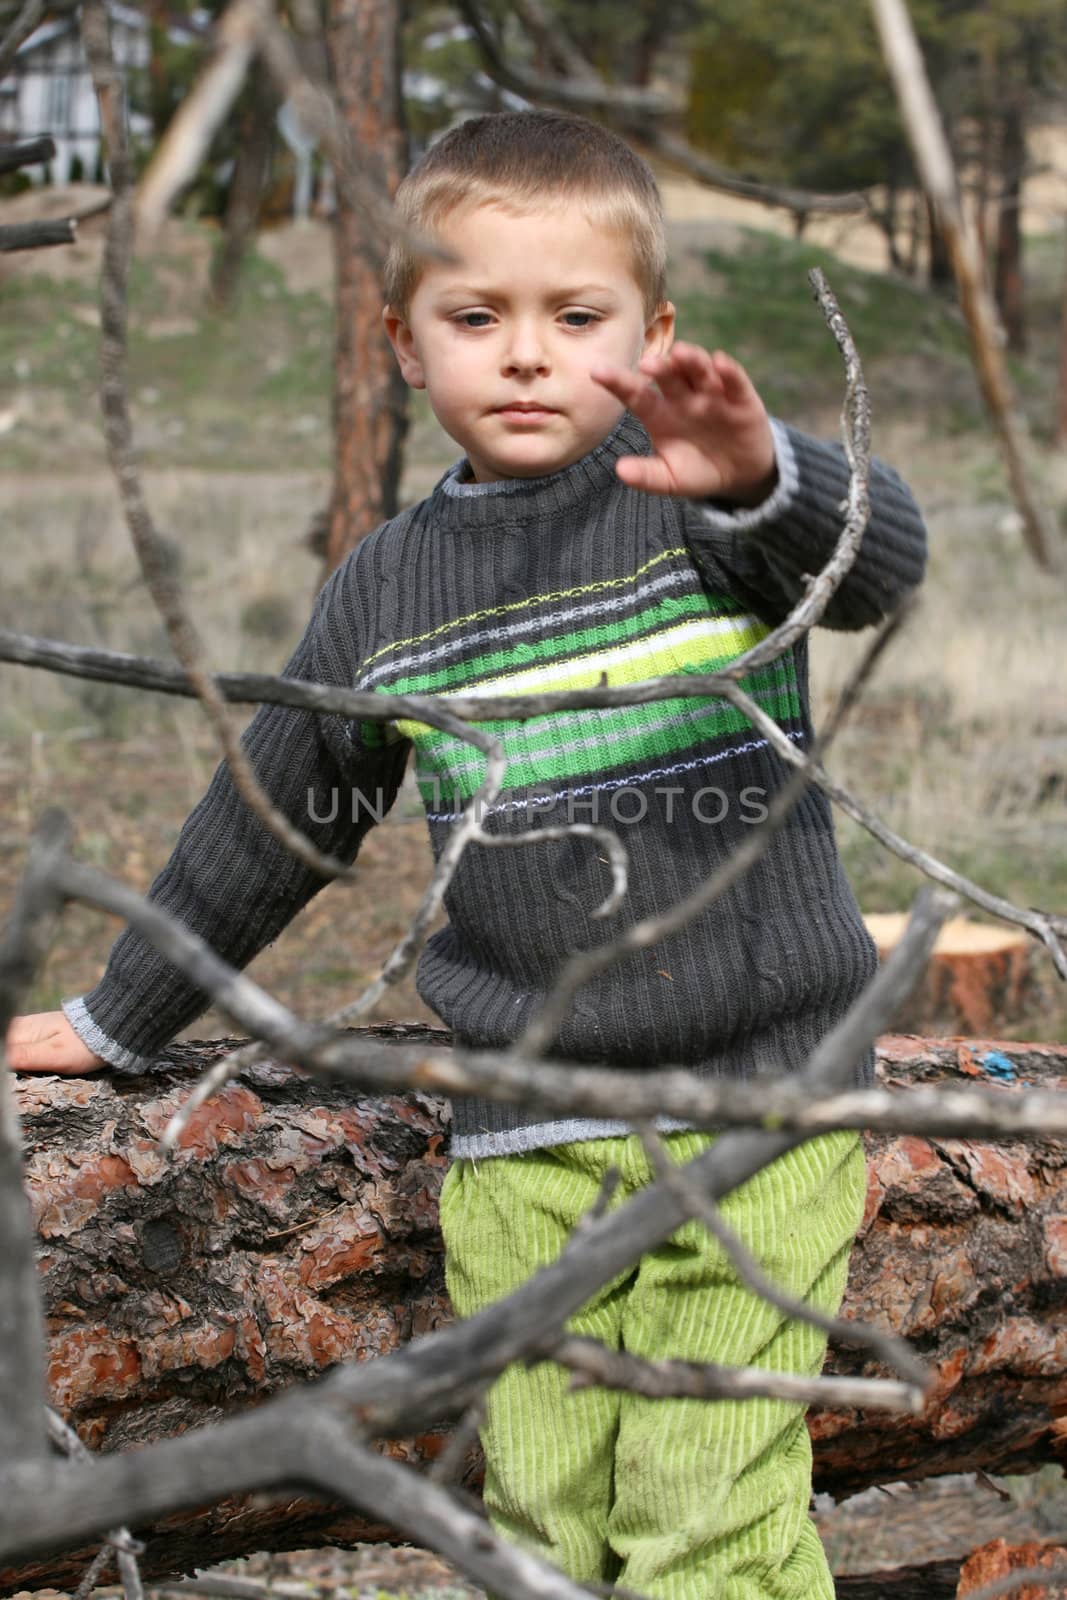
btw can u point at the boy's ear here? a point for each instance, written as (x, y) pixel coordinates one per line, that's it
(659, 334)
(400, 337)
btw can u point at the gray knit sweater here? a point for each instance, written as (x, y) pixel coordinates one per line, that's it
(548, 584)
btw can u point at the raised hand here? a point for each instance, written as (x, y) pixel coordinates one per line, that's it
(46, 1042)
(708, 426)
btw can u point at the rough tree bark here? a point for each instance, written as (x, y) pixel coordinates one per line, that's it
(370, 397)
(297, 1227)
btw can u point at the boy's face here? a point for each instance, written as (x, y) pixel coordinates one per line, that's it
(503, 341)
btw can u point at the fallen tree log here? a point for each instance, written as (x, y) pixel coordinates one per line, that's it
(296, 1227)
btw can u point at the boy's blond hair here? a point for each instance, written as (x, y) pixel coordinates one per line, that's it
(519, 160)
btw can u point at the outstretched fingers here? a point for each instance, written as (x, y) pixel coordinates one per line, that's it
(737, 386)
(649, 473)
(637, 392)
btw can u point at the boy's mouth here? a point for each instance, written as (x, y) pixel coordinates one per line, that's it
(524, 411)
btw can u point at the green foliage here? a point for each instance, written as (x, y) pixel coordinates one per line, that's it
(800, 93)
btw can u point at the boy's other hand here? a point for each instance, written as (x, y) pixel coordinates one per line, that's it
(46, 1042)
(708, 426)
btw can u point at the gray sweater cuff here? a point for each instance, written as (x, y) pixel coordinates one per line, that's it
(77, 1014)
(747, 518)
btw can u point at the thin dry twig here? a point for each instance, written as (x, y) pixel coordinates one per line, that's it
(933, 158)
(23, 1434)
(308, 1437)
(142, 672)
(595, 1365)
(450, 1462)
(1043, 925)
(778, 1103)
(586, 964)
(748, 1269)
(639, 112)
(119, 1543)
(156, 567)
(19, 31)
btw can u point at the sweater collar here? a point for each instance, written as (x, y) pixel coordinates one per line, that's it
(457, 504)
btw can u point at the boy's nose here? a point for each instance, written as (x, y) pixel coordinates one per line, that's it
(526, 349)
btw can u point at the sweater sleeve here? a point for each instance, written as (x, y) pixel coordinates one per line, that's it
(228, 879)
(764, 552)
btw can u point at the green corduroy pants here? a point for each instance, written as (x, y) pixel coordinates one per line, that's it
(677, 1499)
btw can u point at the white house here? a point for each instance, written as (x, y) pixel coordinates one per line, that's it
(49, 88)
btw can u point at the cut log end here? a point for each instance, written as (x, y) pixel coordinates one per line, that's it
(982, 978)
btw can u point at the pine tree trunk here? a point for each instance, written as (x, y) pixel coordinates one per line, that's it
(250, 173)
(297, 1227)
(1008, 275)
(940, 267)
(370, 397)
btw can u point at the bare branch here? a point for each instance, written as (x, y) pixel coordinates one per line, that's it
(682, 155)
(937, 170)
(19, 32)
(586, 964)
(146, 672)
(637, 111)
(25, 152)
(776, 1102)
(450, 1461)
(91, 1575)
(593, 1364)
(23, 1435)
(317, 113)
(582, 88)
(1044, 926)
(747, 1268)
(119, 1541)
(158, 574)
(115, 667)
(289, 1441)
(37, 235)
(199, 116)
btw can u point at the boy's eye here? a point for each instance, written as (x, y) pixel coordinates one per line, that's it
(573, 319)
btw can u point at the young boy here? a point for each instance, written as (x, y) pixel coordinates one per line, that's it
(623, 508)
